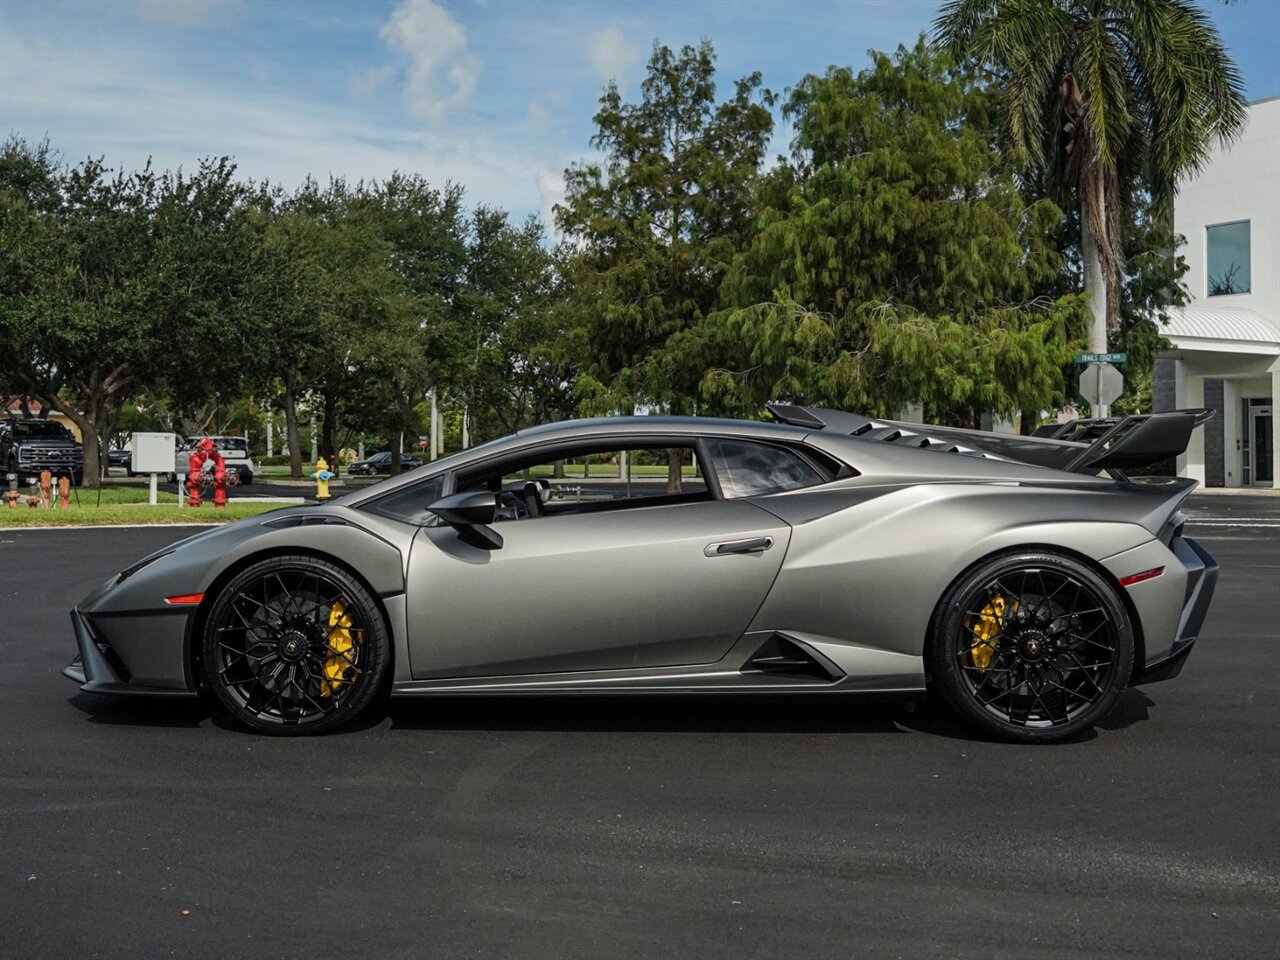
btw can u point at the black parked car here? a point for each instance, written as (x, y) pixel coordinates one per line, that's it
(380, 463)
(120, 458)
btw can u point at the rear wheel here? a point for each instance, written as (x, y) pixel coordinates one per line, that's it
(295, 645)
(1031, 647)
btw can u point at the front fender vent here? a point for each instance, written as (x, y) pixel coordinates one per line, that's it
(304, 520)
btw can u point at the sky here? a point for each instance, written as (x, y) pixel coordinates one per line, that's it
(495, 95)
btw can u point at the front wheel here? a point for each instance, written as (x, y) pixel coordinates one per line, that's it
(295, 645)
(1031, 647)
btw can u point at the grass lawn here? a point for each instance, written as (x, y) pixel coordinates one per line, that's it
(126, 505)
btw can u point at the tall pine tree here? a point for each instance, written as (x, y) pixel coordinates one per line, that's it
(896, 259)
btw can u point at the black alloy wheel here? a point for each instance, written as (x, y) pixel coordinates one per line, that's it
(295, 645)
(1032, 647)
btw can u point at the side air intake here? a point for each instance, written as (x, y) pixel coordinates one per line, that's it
(782, 656)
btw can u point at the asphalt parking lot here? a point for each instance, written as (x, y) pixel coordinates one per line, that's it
(646, 827)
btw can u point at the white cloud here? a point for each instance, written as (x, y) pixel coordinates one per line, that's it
(367, 82)
(609, 52)
(442, 74)
(547, 108)
(111, 99)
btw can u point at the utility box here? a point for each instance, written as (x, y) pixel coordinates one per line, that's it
(153, 452)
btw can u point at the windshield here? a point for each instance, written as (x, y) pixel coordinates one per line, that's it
(44, 430)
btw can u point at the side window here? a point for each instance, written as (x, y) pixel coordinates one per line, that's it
(411, 502)
(592, 481)
(1228, 256)
(748, 469)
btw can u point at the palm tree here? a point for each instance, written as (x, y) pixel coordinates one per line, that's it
(1100, 94)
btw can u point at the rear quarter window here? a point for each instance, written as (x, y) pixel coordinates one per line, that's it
(745, 468)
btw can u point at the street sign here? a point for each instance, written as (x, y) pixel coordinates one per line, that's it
(1101, 357)
(1101, 384)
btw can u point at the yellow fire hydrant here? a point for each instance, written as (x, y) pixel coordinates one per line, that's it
(322, 476)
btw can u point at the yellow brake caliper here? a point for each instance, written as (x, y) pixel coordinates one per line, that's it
(341, 646)
(986, 629)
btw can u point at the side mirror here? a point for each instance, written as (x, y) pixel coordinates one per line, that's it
(470, 513)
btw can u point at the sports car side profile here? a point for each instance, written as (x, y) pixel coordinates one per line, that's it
(1026, 581)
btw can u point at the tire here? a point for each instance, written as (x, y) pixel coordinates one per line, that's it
(283, 658)
(1031, 647)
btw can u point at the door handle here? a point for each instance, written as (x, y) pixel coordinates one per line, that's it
(750, 545)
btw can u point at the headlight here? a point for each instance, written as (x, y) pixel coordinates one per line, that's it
(128, 572)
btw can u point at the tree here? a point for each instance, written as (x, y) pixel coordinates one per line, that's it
(426, 232)
(655, 225)
(1103, 95)
(896, 259)
(113, 278)
(341, 319)
(511, 305)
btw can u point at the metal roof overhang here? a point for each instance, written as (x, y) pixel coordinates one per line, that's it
(1234, 330)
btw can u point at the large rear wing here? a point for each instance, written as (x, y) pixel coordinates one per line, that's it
(1079, 446)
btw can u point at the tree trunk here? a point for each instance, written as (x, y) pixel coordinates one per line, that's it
(102, 430)
(675, 480)
(1094, 284)
(1027, 422)
(291, 427)
(88, 429)
(329, 432)
(397, 442)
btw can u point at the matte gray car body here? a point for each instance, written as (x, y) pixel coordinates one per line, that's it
(638, 600)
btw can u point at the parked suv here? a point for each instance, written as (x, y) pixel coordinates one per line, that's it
(30, 446)
(235, 454)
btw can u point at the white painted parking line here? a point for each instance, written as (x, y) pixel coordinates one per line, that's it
(1231, 523)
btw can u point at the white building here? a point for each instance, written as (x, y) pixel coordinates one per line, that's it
(1227, 339)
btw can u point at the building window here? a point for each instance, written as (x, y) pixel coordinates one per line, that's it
(1228, 245)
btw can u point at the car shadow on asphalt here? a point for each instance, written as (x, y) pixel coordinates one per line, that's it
(620, 713)
(650, 713)
(149, 711)
(714, 714)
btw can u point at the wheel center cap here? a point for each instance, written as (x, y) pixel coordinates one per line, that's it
(293, 645)
(1032, 646)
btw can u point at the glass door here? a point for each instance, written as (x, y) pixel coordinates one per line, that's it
(1261, 454)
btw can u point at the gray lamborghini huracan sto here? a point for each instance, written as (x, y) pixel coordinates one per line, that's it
(1025, 581)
